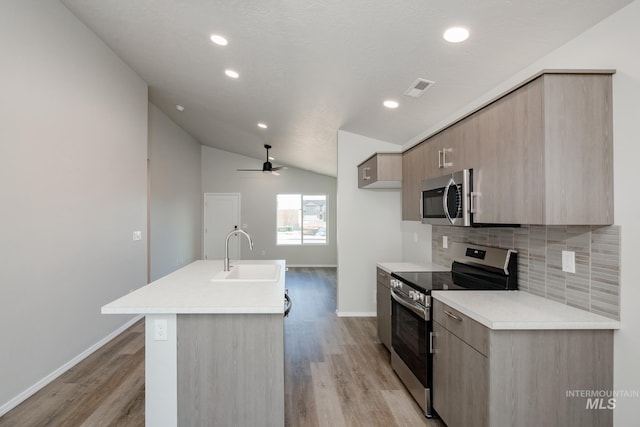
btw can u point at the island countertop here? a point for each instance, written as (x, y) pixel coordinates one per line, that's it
(190, 290)
(521, 310)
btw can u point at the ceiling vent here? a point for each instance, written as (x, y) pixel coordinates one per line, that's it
(418, 88)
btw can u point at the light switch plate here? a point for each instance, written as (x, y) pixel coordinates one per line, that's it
(445, 242)
(569, 261)
(137, 235)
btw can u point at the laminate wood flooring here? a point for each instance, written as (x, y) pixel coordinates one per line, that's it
(336, 374)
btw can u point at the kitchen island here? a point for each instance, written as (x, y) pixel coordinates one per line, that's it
(214, 346)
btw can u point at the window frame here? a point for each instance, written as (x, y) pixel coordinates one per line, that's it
(301, 241)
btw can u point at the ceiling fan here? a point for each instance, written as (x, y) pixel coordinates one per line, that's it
(267, 167)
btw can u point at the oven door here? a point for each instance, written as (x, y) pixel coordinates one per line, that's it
(410, 327)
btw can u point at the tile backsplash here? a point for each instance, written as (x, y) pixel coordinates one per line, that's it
(594, 287)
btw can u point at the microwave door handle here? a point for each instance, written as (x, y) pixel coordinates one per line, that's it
(445, 198)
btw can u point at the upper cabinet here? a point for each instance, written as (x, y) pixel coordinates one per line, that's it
(414, 163)
(540, 154)
(546, 153)
(382, 170)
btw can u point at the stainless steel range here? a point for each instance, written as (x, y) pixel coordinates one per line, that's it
(474, 268)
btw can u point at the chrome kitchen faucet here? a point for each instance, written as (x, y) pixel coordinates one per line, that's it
(226, 245)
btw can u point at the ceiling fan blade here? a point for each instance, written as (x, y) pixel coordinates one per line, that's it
(250, 170)
(279, 168)
(275, 173)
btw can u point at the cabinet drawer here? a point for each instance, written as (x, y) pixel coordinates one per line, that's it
(462, 326)
(383, 277)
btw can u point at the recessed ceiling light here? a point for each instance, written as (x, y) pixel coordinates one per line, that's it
(219, 40)
(232, 74)
(179, 108)
(262, 125)
(390, 104)
(456, 34)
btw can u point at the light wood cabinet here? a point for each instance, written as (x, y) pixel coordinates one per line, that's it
(484, 377)
(452, 149)
(383, 304)
(230, 369)
(413, 172)
(540, 154)
(546, 153)
(382, 170)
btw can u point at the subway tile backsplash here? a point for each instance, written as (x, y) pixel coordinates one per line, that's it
(594, 287)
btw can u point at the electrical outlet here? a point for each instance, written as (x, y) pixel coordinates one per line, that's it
(569, 261)
(160, 330)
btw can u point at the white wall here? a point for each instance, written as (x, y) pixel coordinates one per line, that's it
(369, 227)
(416, 242)
(613, 43)
(175, 219)
(258, 204)
(73, 150)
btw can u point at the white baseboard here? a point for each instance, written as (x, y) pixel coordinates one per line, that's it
(355, 314)
(6, 407)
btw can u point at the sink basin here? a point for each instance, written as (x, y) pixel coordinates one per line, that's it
(249, 273)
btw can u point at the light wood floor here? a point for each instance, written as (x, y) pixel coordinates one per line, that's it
(335, 373)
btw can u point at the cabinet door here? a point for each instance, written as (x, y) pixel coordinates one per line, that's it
(460, 381)
(413, 166)
(451, 150)
(367, 172)
(383, 302)
(508, 176)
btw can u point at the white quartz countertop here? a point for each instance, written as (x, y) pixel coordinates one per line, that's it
(397, 267)
(521, 310)
(190, 290)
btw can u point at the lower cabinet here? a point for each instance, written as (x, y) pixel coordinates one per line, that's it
(485, 377)
(383, 302)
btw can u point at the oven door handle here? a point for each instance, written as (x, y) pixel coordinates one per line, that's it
(420, 311)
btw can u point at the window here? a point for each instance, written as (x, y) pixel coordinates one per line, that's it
(302, 219)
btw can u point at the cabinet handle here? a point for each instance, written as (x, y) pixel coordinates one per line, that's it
(446, 164)
(430, 342)
(440, 157)
(364, 174)
(420, 207)
(453, 316)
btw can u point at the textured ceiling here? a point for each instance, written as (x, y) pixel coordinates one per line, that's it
(311, 67)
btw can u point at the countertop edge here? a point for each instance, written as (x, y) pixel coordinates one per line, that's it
(399, 266)
(604, 324)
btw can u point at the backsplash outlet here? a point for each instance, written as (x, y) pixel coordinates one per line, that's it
(595, 286)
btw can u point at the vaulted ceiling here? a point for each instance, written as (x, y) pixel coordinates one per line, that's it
(308, 68)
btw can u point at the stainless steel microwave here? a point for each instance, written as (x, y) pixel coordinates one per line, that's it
(447, 200)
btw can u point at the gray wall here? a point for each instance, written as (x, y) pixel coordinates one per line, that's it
(258, 204)
(73, 150)
(175, 216)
